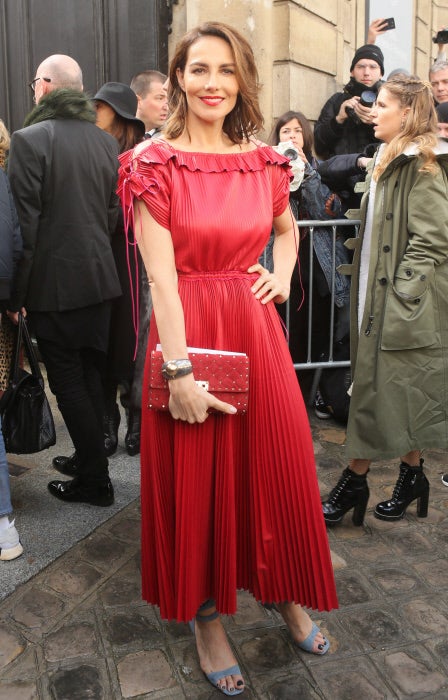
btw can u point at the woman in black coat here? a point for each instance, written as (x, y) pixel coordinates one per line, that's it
(116, 105)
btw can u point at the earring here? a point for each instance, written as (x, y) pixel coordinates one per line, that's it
(403, 122)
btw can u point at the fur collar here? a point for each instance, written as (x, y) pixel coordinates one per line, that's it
(62, 104)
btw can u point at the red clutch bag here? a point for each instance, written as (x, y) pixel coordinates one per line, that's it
(223, 374)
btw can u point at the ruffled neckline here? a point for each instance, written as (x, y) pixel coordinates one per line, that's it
(160, 152)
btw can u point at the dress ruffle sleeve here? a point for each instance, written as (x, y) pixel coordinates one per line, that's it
(281, 177)
(144, 176)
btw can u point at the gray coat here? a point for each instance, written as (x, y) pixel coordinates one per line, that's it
(400, 359)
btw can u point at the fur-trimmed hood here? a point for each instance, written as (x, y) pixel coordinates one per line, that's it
(62, 104)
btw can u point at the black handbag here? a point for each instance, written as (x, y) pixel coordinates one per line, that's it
(27, 421)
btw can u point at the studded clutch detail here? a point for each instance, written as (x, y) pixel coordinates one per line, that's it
(223, 374)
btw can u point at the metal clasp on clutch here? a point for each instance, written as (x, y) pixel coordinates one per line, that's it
(202, 384)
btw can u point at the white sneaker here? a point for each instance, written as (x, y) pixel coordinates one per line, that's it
(10, 547)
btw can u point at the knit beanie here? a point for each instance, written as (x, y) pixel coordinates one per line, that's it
(442, 113)
(369, 51)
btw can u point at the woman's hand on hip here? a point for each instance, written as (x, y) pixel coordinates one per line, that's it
(268, 287)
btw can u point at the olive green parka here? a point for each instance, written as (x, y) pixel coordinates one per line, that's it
(400, 357)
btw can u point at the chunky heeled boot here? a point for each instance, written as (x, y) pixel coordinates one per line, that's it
(111, 423)
(351, 491)
(412, 484)
(132, 439)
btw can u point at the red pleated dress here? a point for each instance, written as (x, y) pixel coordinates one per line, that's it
(232, 503)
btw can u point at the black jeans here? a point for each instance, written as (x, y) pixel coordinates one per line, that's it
(74, 377)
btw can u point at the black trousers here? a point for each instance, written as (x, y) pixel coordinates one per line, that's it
(74, 377)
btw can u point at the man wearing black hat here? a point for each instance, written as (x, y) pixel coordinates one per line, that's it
(344, 124)
(442, 120)
(63, 174)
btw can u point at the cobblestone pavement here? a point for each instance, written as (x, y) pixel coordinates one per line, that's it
(78, 629)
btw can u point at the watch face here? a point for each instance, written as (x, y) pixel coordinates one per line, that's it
(176, 368)
(171, 368)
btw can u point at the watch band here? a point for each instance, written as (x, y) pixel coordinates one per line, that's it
(173, 369)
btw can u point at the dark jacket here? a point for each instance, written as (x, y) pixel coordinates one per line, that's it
(331, 138)
(63, 172)
(337, 171)
(10, 238)
(314, 200)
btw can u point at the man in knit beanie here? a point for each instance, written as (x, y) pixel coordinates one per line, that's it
(442, 120)
(345, 122)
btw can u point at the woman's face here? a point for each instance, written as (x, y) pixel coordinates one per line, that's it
(105, 116)
(292, 131)
(388, 116)
(209, 80)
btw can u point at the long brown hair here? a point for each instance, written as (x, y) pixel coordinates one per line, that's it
(245, 119)
(419, 126)
(128, 133)
(307, 132)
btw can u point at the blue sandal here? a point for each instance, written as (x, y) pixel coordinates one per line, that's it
(214, 677)
(308, 643)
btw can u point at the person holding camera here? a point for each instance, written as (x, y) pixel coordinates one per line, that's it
(345, 122)
(314, 200)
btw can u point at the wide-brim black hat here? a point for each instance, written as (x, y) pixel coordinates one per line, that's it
(122, 99)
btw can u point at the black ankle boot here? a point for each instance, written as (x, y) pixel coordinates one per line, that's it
(111, 423)
(412, 484)
(351, 491)
(132, 439)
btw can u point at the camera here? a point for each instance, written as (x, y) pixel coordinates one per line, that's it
(441, 37)
(287, 149)
(367, 99)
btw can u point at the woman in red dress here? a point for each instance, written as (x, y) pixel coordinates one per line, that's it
(229, 500)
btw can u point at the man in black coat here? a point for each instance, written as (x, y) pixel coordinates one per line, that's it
(345, 122)
(63, 171)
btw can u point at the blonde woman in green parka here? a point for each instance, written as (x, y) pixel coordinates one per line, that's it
(399, 307)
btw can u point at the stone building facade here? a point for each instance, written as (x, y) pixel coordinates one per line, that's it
(304, 49)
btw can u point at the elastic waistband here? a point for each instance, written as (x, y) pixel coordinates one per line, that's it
(216, 275)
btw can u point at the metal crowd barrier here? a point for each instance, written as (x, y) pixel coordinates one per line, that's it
(333, 225)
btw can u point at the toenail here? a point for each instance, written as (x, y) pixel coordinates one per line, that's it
(239, 683)
(320, 646)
